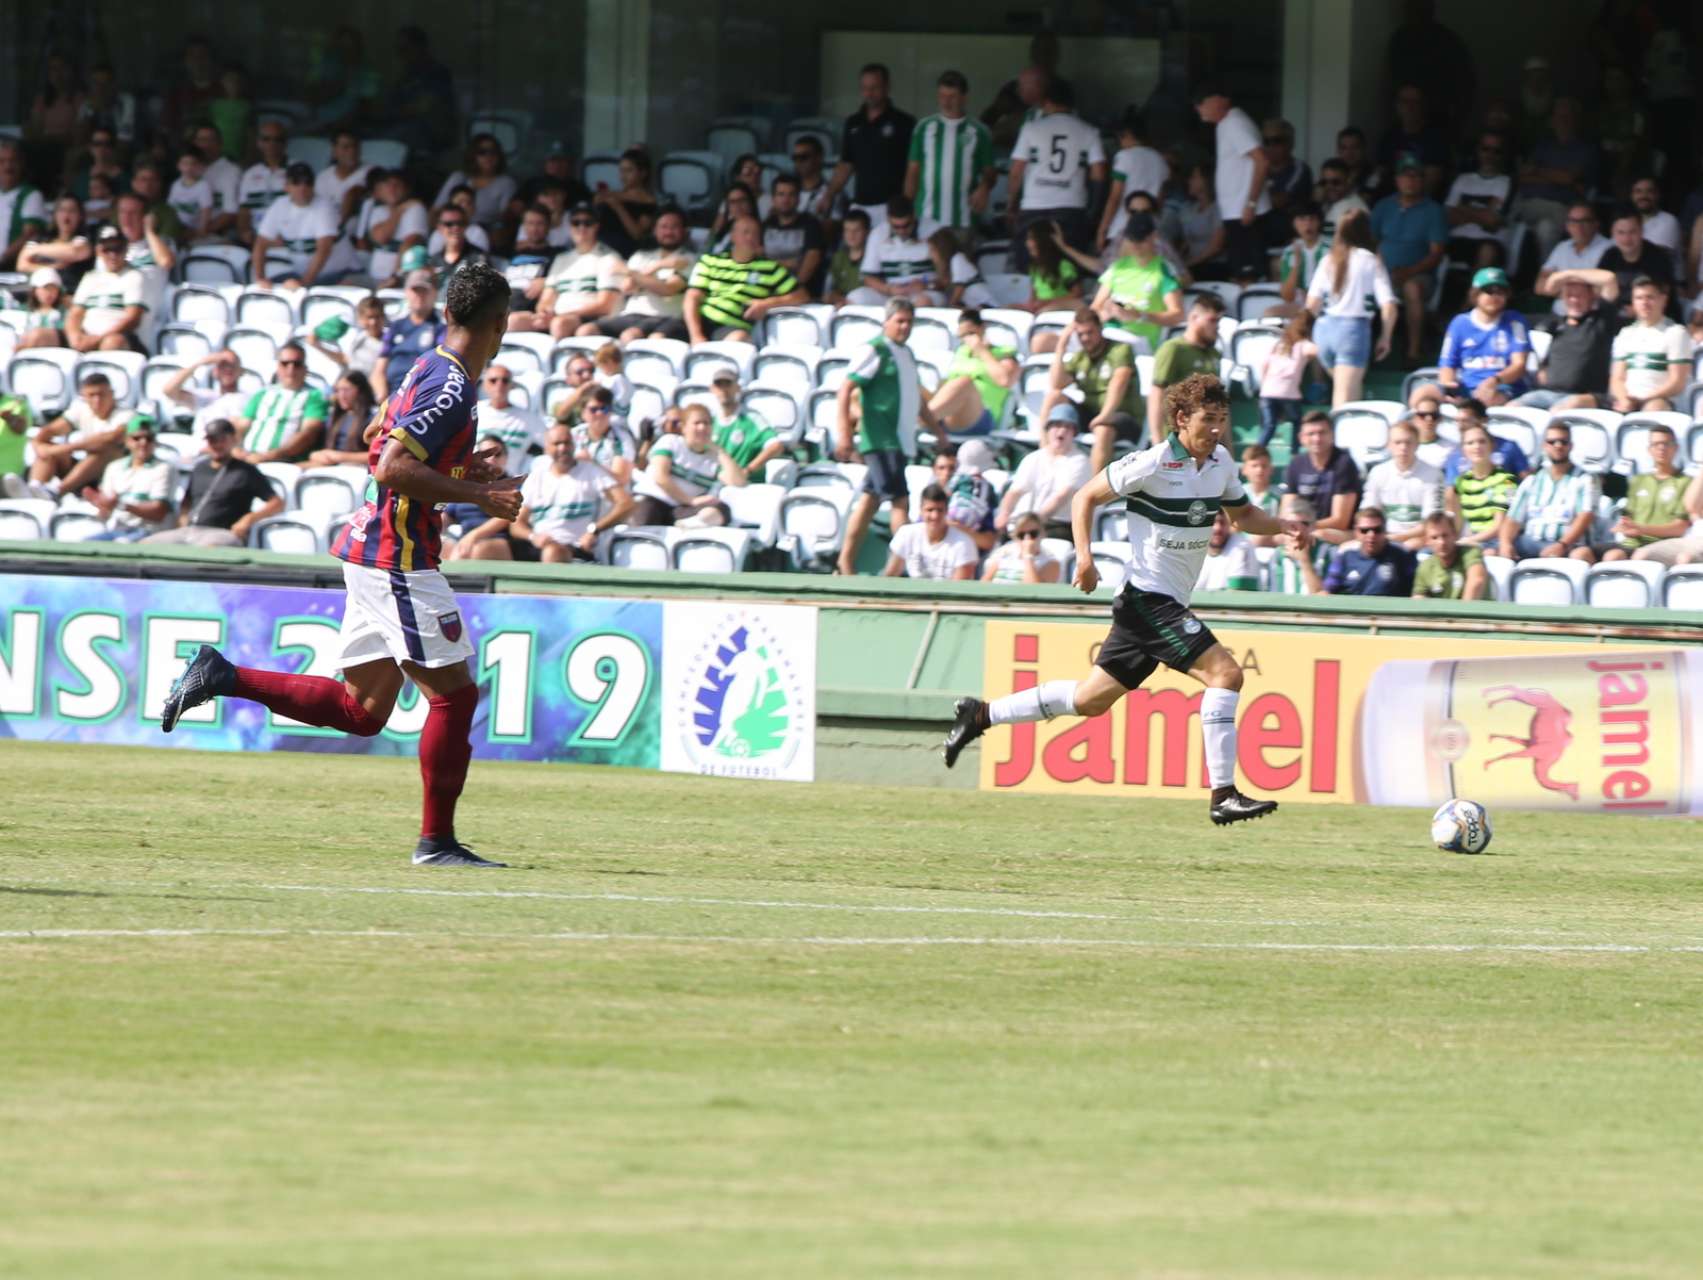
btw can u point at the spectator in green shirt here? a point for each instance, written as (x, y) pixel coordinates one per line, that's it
(1055, 283)
(1195, 350)
(845, 266)
(1451, 572)
(1138, 293)
(16, 421)
(747, 440)
(972, 398)
(1104, 372)
(1655, 501)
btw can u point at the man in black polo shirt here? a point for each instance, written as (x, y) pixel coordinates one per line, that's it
(1575, 372)
(1629, 257)
(1326, 477)
(218, 508)
(875, 147)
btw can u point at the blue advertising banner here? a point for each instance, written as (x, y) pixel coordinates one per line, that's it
(562, 678)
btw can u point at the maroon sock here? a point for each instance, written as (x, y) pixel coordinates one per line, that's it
(446, 744)
(313, 700)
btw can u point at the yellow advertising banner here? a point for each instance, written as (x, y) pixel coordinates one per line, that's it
(1343, 719)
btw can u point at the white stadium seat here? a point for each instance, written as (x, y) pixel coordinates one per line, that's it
(25, 519)
(1556, 581)
(1632, 439)
(43, 376)
(756, 508)
(640, 547)
(647, 356)
(331, 491)
(1501, 571)
(75, 526)
(1624, 584)
(1682, 588)
(816, 519)
(710, 550)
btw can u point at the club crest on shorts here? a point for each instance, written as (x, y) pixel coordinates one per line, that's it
(1191, 626)
(450, 625)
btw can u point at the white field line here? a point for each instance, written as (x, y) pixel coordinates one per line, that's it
(1133, 944)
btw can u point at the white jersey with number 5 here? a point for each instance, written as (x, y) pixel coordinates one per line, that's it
(1172, 501)
(1057, 150)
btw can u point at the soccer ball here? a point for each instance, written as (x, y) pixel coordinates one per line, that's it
(1461, 826)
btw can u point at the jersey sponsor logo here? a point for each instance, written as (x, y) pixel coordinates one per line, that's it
(448, 396)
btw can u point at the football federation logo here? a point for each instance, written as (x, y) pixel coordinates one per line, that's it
(745, 703)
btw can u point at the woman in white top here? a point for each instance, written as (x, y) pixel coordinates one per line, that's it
(1136, 167)
(485, 169)
(69, 252)
(1347, 284)
(1021, 559)
(684, 476)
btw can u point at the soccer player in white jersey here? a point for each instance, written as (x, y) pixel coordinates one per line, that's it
(1174, 490)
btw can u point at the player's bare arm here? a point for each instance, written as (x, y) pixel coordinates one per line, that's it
(400, 471)
(1089, 498)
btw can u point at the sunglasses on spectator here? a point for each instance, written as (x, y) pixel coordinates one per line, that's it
(1426, 413)
(1368, 528)
(450, 223)
(498, 377)
(597, 408)
(1563, 441)
(1030, 533)
(582, 222)
(288, 364)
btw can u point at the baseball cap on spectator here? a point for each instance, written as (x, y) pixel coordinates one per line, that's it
(298, 173)
(220, 427)
(582, 207)
(975, 457)
(724, 374)
(415, 258)
(140, 424)
(1407, 162)
(420, 278)
(1490, 278)
(1139, 227)
(557, 148)
(1063, 412)
(110, 233)
(45, 275)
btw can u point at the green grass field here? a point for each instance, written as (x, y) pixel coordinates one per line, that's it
(714, 1029)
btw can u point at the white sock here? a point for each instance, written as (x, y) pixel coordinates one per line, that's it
(1043, 702)
(1218, 729)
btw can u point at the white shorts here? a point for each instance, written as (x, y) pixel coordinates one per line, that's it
(410, 617)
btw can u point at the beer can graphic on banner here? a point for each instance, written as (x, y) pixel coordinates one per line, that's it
(1617, 730)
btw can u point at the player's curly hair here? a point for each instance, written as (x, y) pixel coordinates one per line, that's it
(1193, 394)
(477, 291)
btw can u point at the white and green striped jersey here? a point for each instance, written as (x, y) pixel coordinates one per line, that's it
(259, 187)
(1286, 576)
(895, 260)
(564, 506)
(1310, 259)
(1172, 500)
(890, 395)
(1649, 352)
(275, 413)
(298, 228)
(1545, 504)
(698, 473)
(106, 295)
(951, 156)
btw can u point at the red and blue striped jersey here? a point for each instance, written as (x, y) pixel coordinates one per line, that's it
(434, 414)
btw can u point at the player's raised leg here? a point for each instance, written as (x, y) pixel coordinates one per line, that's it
(358, 705)
(1088, 697)
(1222, 676)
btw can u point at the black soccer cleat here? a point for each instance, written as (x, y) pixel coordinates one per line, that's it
(431, 852)
(1237, 807)
(209, 675)
(970, 724)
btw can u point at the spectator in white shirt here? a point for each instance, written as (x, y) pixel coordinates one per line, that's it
(1652, 356)
(1135, 167)
(391, 222)
(1242, 196)
(1057, 157)
(1405, 488)
(223, 176)
(344, 181)
(223, 399)
(1230, 563)
(190, 197)
(263, 183)
(520, 430)
(1581, 251)
(897, 263)
(1048, 479)
(1349, 287)
(1477, 205)
(1660, 226)
(582, 286)
(111, 302)
(300, 225)
(930, 547)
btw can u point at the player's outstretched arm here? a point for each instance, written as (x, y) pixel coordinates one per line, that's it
(401, 472)
(1251, 519)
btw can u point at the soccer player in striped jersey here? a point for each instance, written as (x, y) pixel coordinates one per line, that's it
(1174, 491)
(401, 618)
(950, 172)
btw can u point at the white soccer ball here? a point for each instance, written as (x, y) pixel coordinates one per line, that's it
(1461, 826)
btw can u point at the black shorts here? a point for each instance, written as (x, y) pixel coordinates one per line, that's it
(1147, 629)
(730, 332)
(522, 550)
(650, 326)
(886, 475)
(1124, 426)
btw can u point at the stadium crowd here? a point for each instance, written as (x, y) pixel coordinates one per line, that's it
(942, 325)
